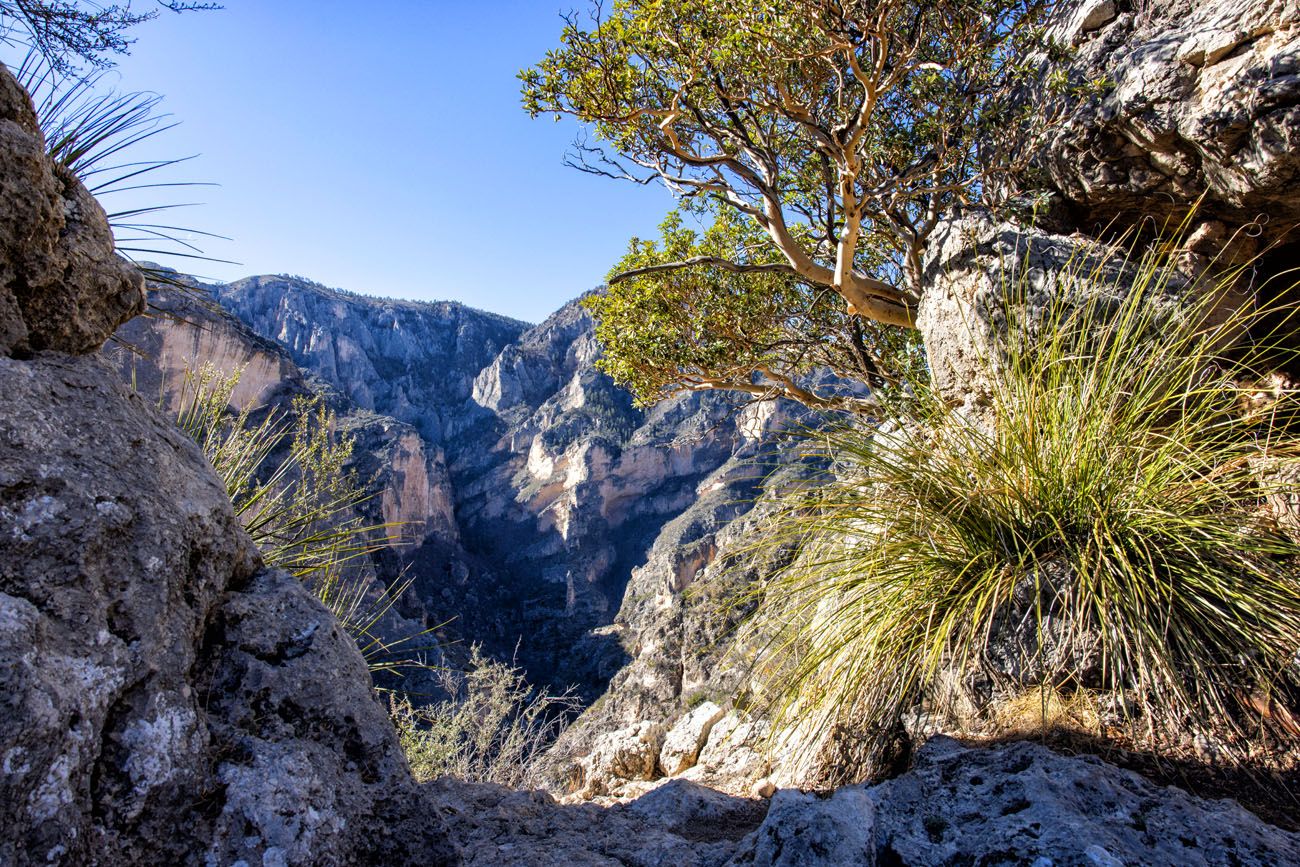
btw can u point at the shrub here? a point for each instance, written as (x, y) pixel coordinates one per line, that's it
(491, 729)
(1105, 528)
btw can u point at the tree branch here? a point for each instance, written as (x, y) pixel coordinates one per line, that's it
(710, 261)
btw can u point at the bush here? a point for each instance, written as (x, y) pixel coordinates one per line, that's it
(1104, 529)
(492, 729)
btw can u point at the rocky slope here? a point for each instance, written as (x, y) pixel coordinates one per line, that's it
(167, 699)
(1018, 804)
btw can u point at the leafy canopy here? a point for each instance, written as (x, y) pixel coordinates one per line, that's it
(762, 332)
(837, 133)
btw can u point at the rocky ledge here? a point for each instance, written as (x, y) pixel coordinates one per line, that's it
(1015, 804)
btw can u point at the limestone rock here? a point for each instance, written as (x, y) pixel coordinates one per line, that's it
(983, 277)
(61, 286)
(802, 830)
(496, 827)
(687, 737)
(735, 755)
(188, 330)
(147, 663)
(1096, 14)
(1014, 804)
(307, 758)
(695, 811)
(1024, 804)
(1196, 97)
(630, 753)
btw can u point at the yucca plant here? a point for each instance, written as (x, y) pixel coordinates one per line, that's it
(1103, 527)
(97, 133)
(288, 481)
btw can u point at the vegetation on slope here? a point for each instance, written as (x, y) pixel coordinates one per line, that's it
(1106, 530)
(492, 728)
(288, 481)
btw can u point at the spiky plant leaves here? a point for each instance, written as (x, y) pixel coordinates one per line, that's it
(1105, 529)
(290, 486)
(96, 134)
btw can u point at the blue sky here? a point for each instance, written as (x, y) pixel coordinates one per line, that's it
(380, 147)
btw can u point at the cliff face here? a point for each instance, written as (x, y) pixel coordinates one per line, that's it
(573, 485)
(410, 360)
(1197, 100)
(531, 489)
(185, 330)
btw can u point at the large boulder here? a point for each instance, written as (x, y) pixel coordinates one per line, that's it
(61, 286)
(1024, 804)
(682, 744)
(167, 699)
(986, 279)
(164, 698)
(1185, 99)
(982, 277)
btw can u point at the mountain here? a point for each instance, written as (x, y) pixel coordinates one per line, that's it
(533, 490)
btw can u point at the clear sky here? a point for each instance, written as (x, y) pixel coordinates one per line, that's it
(380, 147)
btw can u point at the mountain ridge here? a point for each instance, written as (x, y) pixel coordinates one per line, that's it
(554, 487)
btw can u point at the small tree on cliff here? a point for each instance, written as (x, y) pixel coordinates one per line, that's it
(826, 138)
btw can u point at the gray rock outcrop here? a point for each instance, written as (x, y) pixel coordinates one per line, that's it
(1185, 99)
(149, 663)
(1024, 804)
(1014, 804)
(61, 287)
(986, 279)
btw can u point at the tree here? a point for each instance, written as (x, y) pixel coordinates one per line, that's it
(68, 33)
(842, 130)
(760, 331)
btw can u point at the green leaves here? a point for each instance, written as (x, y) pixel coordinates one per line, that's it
(824, 141)
(707, 326)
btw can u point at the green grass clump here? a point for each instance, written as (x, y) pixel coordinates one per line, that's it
(1102, 526)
